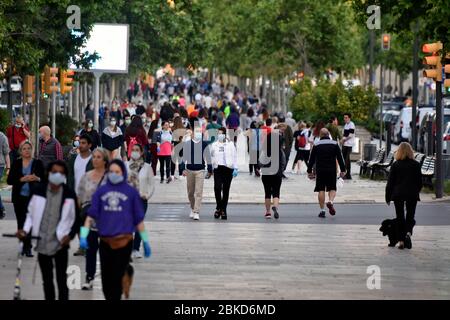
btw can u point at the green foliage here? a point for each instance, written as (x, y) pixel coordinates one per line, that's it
(319, 102)
(65, 129)
(5, 119)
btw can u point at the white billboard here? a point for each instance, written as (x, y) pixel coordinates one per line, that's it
(110, 42)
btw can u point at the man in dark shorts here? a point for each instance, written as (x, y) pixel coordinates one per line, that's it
(324, 155)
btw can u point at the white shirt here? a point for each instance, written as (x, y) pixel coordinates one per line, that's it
(221, 161)
(208, 102)
(80, 168)
(349, 131)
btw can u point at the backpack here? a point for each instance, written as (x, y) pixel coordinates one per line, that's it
(301, 141)
(133, 141)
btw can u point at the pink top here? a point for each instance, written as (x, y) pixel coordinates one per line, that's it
(165, 149)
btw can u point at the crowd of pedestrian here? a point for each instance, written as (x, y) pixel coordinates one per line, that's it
(101, 189)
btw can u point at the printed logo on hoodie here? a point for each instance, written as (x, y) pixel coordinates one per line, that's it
(112, 199)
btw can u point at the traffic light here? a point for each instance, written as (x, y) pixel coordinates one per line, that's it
(386, 42)
(447, 73)
(50, 79)
(433, 61)
(66, 80)
(28, 89)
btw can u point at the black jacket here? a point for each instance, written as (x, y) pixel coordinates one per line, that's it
(15, 174)
(405, 181)
(324, 155)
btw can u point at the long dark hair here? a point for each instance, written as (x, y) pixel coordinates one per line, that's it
(135, 128)
(152, 129)
(318, 126)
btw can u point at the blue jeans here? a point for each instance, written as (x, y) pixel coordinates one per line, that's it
(2, 169)
(137, 237)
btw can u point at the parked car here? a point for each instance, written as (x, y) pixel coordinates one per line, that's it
(392, 117)
(402, 129)
(446, 145)
(423, 137)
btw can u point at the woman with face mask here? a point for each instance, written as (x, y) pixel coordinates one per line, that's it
(224, 161)
(140, 176)
(89, 183)
(25, 175)
(117, 210)
(90, 131)
(52, 217)
(164, 148)
(112, 139)
(135, 134)
(75, 145)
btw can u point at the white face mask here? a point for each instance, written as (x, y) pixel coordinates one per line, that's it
(135, 155)
(198, 136)
(112, 124)
(221, 137)
(90, 125)
(56, 178)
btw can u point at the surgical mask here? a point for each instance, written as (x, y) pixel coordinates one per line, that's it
(198, 136)
(127, 122)
(115, 178)
(221, 137)
(144, 119)
(18, 125)
(56, 178)
(135, 155)
(90, 125)
(112, 123)
(76, 143)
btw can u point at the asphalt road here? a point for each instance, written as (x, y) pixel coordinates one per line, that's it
(427, 214)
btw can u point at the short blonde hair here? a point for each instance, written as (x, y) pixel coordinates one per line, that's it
(404, 151)
(104, 153)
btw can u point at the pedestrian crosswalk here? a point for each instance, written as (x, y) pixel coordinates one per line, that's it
(168, 212)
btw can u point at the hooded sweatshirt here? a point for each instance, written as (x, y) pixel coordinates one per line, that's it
(116, 208)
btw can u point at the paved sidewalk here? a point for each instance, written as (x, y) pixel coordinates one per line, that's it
(249, 189)
(267, 261)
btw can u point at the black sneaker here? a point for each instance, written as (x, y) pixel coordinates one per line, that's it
(2, 214)
(169, 180)
(224, 215)
(27, 253)
(275, 212)
(88, 285)
(331, 208)
(408, 243)
(322, 214)
(162, 181)
(79, 252)
(217, 214)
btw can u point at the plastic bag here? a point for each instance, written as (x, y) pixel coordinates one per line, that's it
(340, 183)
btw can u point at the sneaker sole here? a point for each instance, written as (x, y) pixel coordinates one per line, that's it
(276, 215)
(331, 209)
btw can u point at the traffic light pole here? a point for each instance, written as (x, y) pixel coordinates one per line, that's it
(439, 142)
(97, 76)
(415, 85)
(37, 112)
(54, 110)
(381, 104)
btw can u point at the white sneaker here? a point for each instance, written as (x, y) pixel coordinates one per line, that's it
(182, 178)
(192, 214)
(196, 216)
(136, 255)
(88, 285)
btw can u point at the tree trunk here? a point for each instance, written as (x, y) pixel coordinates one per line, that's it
(269, 94)
(401, 86)
(113, 89)
(76, 101)
(278, 88)
(395, 83)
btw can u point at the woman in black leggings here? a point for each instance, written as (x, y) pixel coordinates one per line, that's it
(403, 187)
(272, 171)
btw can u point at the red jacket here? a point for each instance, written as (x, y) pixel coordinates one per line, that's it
(18, 134)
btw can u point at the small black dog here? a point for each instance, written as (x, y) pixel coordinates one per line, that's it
(389, 228)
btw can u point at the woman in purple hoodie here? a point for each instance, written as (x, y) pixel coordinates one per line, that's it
(117, 211)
